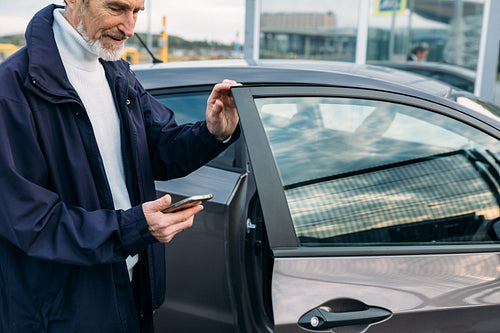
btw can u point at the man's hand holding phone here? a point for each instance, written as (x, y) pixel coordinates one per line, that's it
(188, 202)
(164, 225)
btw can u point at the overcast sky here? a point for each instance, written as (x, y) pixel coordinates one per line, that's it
(212, 20)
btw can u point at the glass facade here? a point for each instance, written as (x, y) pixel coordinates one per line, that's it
(308, 29)
(450, 30)
(446, 31)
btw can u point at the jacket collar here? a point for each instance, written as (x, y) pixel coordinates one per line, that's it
(45, 69)
(46, 73)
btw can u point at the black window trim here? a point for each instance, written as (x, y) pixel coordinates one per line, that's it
(353, 251)
(179, 90)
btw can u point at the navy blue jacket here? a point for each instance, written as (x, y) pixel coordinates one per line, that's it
(62, 245)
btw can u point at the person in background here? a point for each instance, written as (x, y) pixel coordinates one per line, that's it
(81, 143)
(418, 53)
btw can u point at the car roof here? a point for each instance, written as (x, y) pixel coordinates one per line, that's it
(330, 73)
(302, 72)
(432, 86)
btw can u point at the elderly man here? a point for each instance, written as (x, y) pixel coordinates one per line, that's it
(81, 143)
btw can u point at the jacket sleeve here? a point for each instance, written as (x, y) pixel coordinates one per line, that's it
(177, 150)
(36, 219)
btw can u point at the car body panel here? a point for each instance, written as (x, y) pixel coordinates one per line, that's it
(200, 250)
(367, 70)
(406, 285)
(279, 72)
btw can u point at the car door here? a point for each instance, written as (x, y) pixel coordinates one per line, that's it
(380, 210)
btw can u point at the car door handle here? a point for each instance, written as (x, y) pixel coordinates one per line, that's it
(320, 319)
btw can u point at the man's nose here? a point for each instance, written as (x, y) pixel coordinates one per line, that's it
(128, 24)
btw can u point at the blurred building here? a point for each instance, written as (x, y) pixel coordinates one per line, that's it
(298, 20)
(316, 35)
(464, 33)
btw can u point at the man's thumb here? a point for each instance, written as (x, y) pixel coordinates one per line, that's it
(157, 205)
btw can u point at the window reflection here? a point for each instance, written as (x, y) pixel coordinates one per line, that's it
(369, 172)
(190, 108)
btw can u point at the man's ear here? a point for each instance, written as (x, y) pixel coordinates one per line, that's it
(70, 3)
(74, 4)
(72, 11)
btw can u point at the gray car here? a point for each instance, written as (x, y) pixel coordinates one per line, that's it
(459, 77)
(350, 203)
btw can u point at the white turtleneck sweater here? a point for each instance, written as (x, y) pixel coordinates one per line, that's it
(87, 76)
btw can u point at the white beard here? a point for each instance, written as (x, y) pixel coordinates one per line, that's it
(109, 54)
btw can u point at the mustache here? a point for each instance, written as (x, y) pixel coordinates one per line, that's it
(118, 35)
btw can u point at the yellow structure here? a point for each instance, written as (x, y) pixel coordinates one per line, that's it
(131, 55)
(164, 41)
(6, 50)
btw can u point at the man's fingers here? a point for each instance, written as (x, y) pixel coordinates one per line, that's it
(164, 226)
(168, 233)
(224, 88)
(232, 83)
(228, 81)
(157, 205)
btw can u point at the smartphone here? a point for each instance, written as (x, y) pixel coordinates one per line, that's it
(187, 202)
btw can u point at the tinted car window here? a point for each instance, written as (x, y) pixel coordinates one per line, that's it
(190, 108)
(358, 172)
